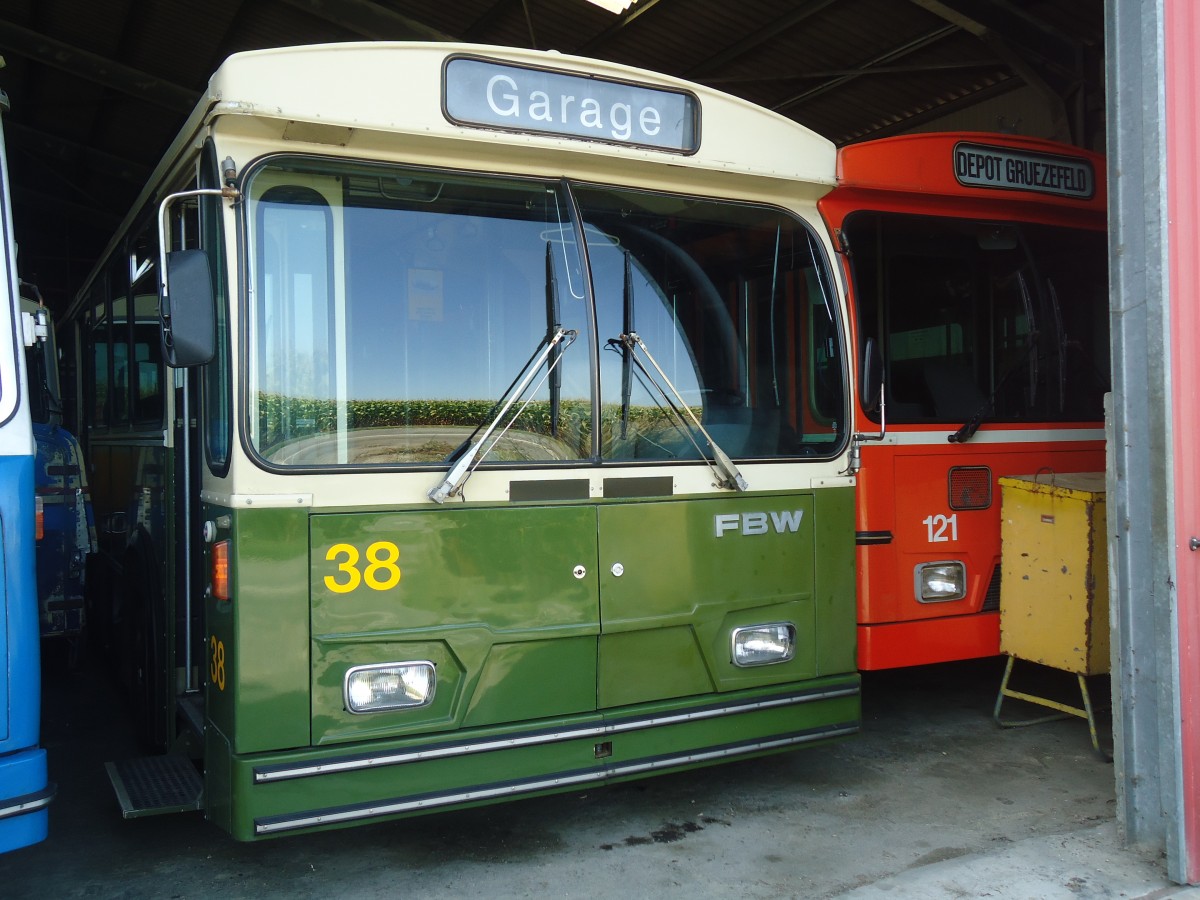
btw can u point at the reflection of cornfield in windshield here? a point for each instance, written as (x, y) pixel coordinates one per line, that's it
(424, 431)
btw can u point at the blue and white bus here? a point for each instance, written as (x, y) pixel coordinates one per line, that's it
(66, 532)
(25, 792)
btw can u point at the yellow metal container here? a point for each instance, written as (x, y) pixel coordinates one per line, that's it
(1054, 571)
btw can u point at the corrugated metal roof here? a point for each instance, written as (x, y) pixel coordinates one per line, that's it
(99, 87)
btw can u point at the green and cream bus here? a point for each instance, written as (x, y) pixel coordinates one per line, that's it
(463, 424)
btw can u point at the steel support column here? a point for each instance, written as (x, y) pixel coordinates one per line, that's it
(1153, 504)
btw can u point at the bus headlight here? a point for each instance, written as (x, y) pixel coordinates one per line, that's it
(758, 645)
(939, 581)
(402, 685)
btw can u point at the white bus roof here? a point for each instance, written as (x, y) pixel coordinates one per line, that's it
(397, 87)
(345, 86)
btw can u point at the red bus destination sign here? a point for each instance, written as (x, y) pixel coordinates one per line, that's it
(979, 165)
(564, 104)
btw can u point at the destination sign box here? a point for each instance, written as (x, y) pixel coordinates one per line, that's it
(980, 165)
(515, 98)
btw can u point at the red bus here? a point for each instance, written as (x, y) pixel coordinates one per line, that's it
(977, 273)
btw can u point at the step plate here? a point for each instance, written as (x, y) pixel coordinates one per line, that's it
(154, 785)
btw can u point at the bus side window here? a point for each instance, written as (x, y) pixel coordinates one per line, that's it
(148, 390)
(119, 348)
(68, 351)
(145, 362)
(97, 388)
(119, 404)
(296, 343)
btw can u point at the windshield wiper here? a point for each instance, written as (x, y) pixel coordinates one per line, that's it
(552, 328)
(727, 473)
(474, 454)
(968, 429)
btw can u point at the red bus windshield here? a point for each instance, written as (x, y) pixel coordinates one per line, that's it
(977, 317)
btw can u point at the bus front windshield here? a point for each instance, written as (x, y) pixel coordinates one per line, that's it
(395, 312)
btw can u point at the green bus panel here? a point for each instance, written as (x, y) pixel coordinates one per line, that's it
(257, 646)
(834, 596)
(678, 576)
(502, 600)
(286, 793)
(573, 644)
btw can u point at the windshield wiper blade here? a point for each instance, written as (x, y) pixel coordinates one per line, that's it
(967, 431)
(727, 473)
(552, 328)
(461, 471)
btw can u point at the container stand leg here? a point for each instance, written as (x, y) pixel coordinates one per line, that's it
(1091, 718)
(1064, 711)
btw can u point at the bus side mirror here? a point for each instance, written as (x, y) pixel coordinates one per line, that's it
(187, 310)
(871, 383)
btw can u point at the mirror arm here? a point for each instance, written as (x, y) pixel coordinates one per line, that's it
(229, 192)
(859, 438)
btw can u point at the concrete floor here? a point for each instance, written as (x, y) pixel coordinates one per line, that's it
(930, 780)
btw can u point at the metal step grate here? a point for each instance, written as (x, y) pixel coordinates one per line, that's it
(154, 785)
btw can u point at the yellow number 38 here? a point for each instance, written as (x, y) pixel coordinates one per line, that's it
(380, 573)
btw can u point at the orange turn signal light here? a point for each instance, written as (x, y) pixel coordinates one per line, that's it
(220, 570)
